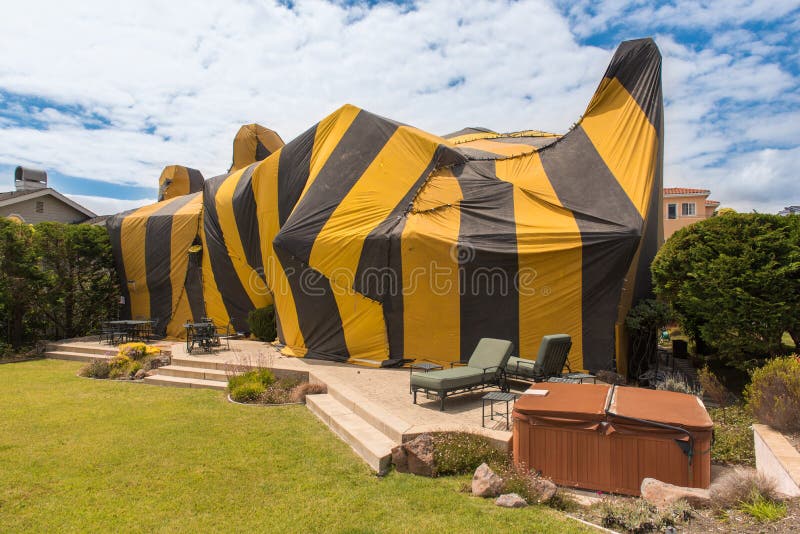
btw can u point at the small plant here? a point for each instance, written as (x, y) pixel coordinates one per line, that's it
(300, 391)
(678, 383)
(773, 394)
(525, 483)
(733, 443)
(137, 350)
(96, 369)
(457, 453)
(259, 376)
(248, 392)
(640, 516)
(763, 510)
(280, 392)
(119, 366)
(262, 323)
(712, 387)
(742, 485)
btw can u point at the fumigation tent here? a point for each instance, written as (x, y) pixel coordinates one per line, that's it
(378, 242)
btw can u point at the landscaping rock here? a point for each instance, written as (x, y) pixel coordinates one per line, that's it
(140, 374)
(511, 500)
(419, 454)
(662, 494)
(400, 459)
(546, 489)
(486, 483)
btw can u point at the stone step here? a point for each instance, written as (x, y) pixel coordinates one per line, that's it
(108, 350)
(75, 356)
(368, 442)
(385, 422)
(192, 372)
(181, 382)
(190, 361)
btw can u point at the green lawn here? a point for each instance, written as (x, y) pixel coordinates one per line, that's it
(80, 455)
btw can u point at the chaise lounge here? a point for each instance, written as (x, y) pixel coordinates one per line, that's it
(484, 368)
(550, 361)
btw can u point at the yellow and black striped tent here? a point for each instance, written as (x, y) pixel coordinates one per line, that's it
(378, 242)
(252, 143)
(177, 180)
(156, 251)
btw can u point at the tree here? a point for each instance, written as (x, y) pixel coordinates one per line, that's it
(734, 283)
(80, 284)
(19, 280)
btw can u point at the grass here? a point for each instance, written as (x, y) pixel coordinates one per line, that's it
(83, 455)
(764, 510)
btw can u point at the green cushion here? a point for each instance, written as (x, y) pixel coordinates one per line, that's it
(520, 367)
(448, 379)
(490, 353)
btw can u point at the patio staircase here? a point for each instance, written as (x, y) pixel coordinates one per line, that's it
(185, 372)
(78, 352)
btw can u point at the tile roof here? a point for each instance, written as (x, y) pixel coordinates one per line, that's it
(685, 191)
(712, 203)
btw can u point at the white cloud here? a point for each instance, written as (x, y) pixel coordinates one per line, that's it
(108, 206)
(193, 76)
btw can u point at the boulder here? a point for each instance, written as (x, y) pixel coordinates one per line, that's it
(545, 488)
(140, 374)
(419, 455)
(662, 494)
(511, 500)
(400, 459)
(485, 482)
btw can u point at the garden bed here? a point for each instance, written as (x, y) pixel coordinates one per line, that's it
(133, 361)
(261, 387)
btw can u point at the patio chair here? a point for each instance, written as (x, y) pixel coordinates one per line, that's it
(224, 334)
(550, 361)
(484, 368)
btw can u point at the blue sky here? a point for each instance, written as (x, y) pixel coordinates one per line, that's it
(104, 98)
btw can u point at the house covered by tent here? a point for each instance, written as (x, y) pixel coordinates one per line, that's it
(378, 242)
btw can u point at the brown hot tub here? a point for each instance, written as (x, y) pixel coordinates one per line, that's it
(608, 438)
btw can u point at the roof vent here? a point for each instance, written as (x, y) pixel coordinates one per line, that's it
(26, 179)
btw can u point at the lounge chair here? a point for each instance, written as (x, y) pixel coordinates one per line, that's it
(484, 368)
(550, 361)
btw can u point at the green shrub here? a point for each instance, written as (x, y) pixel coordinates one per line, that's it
(133, 367)
(457, 453)
(96, 369)
(280, 392)
(260, 376)
(774, 394)
(763, 510)
(119, 366)
(262, 323)
(248, 392)
(733, 442)
(713, 387)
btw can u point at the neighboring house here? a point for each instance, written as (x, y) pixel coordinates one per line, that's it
(684, 206)
(790, 210)
(33, 202)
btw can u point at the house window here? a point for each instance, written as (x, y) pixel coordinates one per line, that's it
(672, 211)
(687, 209)
(40, 206)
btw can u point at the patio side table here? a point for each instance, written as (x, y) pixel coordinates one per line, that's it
(492, 398)
(424, 366)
